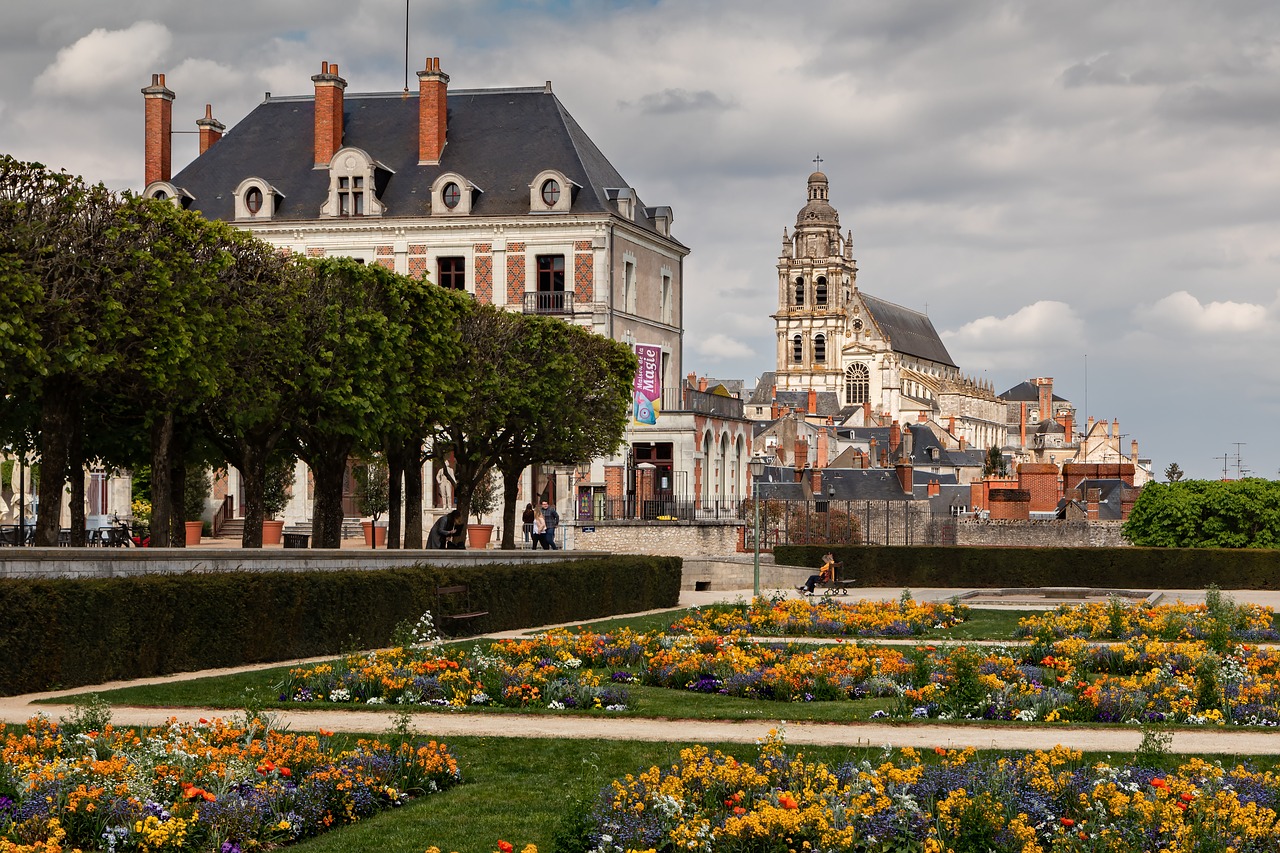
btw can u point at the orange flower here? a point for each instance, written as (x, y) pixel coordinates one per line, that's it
(1186, 796)
(1159, 783)
(788, 802)
(1066, 821)
(939, 750)
(325, 733)
(505, 846)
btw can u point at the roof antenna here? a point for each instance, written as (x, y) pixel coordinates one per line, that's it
(406, 48)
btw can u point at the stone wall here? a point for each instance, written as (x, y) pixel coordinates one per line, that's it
(1056, 534)
(668, 539)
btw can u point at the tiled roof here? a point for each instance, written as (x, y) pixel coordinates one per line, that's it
(909, 331)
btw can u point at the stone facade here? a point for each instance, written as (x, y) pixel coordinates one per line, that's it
(1042, 534)
(699, 538)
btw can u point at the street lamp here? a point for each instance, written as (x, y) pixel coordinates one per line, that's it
(756, 466)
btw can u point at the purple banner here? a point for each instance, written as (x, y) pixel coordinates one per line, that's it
(648, 384)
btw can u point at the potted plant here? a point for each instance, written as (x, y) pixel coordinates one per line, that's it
(275, 497)
(371, 494)
(195, 497)
(484, 500)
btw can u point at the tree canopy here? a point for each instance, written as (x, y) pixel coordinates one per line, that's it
(1207, 514)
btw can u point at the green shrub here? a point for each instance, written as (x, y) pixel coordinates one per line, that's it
(72, 632)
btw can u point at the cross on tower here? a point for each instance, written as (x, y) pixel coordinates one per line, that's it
(817, 160)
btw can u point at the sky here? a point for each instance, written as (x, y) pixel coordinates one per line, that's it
(1085, 190)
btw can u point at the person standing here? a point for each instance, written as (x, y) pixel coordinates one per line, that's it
(552, 518)
(539, 530)
(527, 521)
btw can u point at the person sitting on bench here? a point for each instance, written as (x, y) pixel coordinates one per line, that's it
(826, 574)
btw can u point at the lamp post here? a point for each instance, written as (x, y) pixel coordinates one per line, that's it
(756, 466)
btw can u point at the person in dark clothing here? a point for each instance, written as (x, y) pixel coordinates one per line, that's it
(443, 531)
(825, 575)
(527, 521)
(552, 518)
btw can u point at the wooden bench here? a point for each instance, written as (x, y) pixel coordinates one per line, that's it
(453, 605)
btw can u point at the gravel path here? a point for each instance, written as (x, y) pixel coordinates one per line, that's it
(17, 709)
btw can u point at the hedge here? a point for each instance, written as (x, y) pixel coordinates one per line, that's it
(999, 567)
(60, 633)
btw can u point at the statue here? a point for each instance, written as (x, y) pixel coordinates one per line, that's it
(444, 482)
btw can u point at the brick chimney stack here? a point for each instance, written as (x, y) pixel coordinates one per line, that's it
(329, 89)
(813, 402)
(702, 384)
(1045, 384)
(158, 125)
(903, 470)
(433, 112)
(935, 488)
(211, 129)
(895, 437)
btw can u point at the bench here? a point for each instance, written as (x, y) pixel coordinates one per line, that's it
(453, 605)
(831, 587)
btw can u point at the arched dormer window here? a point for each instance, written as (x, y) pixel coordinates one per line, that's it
(820, 348)
(551, 192)
(799, 292)
(820, 291)
(797, 349)
(356, 182)
(857, 384)
(257, 199)
(452, 195)
(165, 191)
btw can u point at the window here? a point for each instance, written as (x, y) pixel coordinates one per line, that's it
(160, 194)
(253, 200)
(820, 348)
(351, 196)
(820, 291)
(550, 273)
(452, 273)
(857, 384)
(797, 349)
(550, 192)
(668, 309)
(629, 287)
(451, 195)
(799, 292)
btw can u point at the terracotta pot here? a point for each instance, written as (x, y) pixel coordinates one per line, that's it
(374, 535)
(272, 531)
(194, 528)
(478, 535)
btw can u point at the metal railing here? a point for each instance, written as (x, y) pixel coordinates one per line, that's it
(549, 302)
(661, 508)
(687, 399)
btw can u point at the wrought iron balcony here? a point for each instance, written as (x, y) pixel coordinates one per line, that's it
(549, 302)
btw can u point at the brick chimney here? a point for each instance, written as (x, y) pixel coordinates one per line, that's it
(895, 437)
(702, 384)
(823, 449)
(935, 488)
(159, 131)
(329, 89)
(211, 129)
(866, 414)
(1068, 425)
(433, 112)
(871, 453)
(922, 418)
(1045, 384)
(903, 470)
(813, 402)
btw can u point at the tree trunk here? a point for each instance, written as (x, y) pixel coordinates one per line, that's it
(177, 512)
(413, 493)
(75, 473)
(162, 482)
(510, 483)
(327, 467)
(395, 493)
(57, 422)
(253, 474)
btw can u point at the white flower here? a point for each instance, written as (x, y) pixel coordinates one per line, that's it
(555, 705)
(340, 694)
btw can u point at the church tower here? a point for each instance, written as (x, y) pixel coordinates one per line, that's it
(817, 280)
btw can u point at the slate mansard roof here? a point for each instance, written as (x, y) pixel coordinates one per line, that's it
(910, 332)
(498, 139)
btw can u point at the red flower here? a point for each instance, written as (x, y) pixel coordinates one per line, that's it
(286, 772)
(788, 802)
(1066, 821)
(939, 750)
(505, 846)
(1186, 796)
(1159, 783)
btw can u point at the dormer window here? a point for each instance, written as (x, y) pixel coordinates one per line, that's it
(551, 192)
(165, 191)
(452, 195)
(356, 181)
(256, 199)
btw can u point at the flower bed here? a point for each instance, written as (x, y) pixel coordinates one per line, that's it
(1040, 801)
(825, 618)
(211, 786)
(1117, 620)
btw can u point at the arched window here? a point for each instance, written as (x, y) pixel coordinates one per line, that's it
(857, 384)
(799, 292)
(797, 349)
(820, 291)
(820, 348)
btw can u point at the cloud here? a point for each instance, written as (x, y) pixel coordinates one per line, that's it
(720, 348)
(1103, 70)
(1182, 312)
(671, 101)
(1021, 338)
(105, 61)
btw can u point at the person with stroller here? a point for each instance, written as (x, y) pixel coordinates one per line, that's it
(826, 574)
